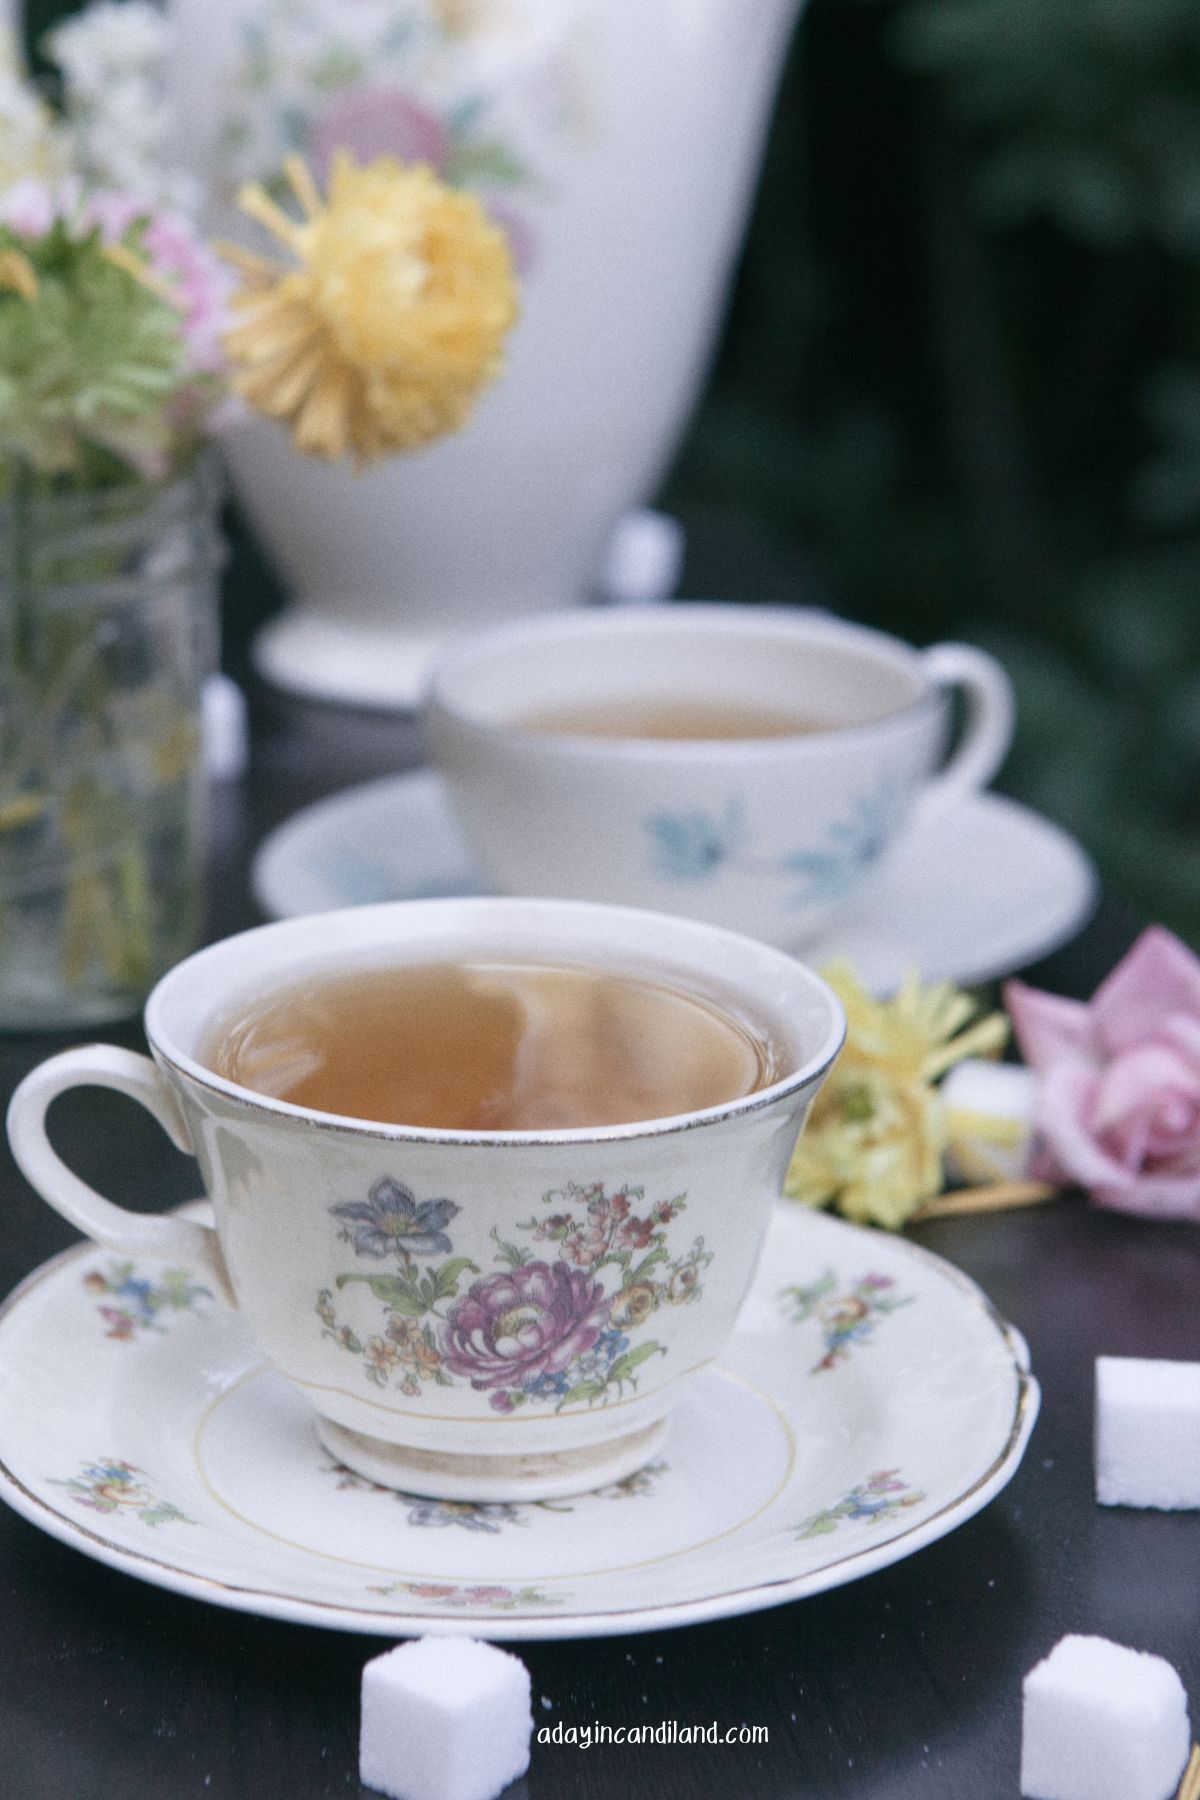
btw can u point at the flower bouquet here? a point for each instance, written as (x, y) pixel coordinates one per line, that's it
(126, 343)
(112, 382)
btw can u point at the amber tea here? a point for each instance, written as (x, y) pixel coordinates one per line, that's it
(673, 719)
(493, 1046)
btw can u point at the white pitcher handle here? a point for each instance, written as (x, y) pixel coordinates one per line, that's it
(135, 1234)
(987, 732)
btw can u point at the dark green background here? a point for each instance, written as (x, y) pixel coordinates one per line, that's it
(959, 389)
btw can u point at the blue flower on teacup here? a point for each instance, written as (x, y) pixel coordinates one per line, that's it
(390, 1222)
(689, 846)
(693, 846)
(852, 845)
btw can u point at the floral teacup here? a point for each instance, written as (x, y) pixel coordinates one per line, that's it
(473, 1315)
(772, 835)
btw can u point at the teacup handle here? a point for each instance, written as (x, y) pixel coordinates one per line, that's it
(987, 732)
(104, 1065)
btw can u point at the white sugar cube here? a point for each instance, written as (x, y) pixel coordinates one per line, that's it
(989, 1106)
(1101, 1722)
(1147, 1432)
(444, 1719)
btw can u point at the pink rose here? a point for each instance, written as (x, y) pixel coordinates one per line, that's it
(379, 121)
(1118, 1080)
(535, 1319)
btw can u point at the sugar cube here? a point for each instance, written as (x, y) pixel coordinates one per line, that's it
(444, 1719)
(997, 1143)
(1100, 1722)
(1147, 1432)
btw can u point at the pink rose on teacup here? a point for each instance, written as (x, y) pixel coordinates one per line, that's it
(533, 1320)
(371, 121)
(1118, 1080)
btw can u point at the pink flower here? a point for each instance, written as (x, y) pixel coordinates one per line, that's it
(1118, 1090)
(529, 1321)
(199, 284)
(30, 207)
(585, 1248)
(379, 121)
(635, 1234)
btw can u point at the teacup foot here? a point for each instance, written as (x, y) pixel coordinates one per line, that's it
(437, 1476)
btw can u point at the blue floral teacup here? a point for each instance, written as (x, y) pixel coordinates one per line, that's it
(770, 828)
(473, 1315)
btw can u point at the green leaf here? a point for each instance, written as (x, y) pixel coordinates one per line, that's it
(384, 1287)
(511, 1254)
(806, 1299)
(622, 1370)
(445, 1278)
(583, 1390)
(339, 66)
(397, 1294)
(491, 163)
(657, 1255)
(463, 116)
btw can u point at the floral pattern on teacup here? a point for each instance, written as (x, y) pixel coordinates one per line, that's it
(554, 1328)
(874, 1501)
(130, 1302)
(114, 1486)
(845, 1318)
(693, 845)
(481, 98)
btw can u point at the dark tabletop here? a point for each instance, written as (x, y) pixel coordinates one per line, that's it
(902, 1686)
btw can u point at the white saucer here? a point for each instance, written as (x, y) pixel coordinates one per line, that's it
(870, 1401)
(982, 891)
(345, 660)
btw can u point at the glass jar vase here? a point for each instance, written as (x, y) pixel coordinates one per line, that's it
(108, 629)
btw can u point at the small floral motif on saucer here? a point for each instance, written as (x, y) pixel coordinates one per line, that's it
(870, 1401)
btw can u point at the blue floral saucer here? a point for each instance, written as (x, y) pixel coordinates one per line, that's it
(871, 1401)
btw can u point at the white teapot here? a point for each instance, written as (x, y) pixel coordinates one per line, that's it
(618, 141)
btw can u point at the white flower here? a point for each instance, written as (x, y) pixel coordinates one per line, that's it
(30, 206)
(109, 40)
(113, 58)
(30, 144)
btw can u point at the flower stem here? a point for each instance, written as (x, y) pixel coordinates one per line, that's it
(1001, 1196)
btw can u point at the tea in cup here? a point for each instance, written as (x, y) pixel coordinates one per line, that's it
(490, 1177)
(743, 766)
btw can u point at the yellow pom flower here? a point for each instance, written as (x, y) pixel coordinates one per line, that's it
(871, 1148)
(876, 1137)
(918, 1034)
(393, 322)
